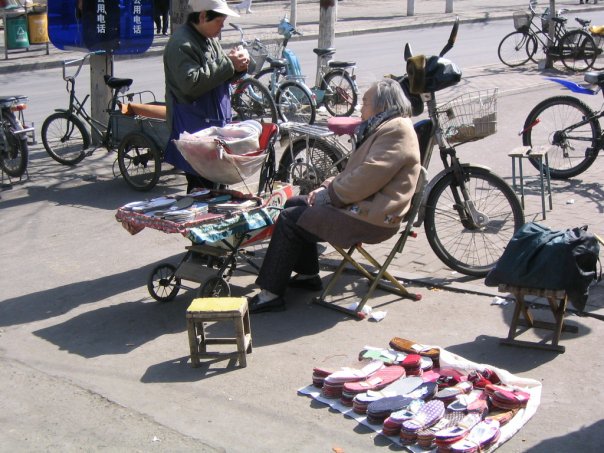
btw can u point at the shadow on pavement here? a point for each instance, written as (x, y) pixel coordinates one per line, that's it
(57, 301)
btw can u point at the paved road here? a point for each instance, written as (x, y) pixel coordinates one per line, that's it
(90, 362)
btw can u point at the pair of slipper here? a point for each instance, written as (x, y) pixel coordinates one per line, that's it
(333, 384)
(410, 386)
(480, 437)
(412, 347)
(376, 381)
(506, 397)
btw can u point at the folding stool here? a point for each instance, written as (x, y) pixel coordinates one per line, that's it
(557, 300)
(382, 273)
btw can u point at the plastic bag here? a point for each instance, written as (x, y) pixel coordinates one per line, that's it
(224, 155)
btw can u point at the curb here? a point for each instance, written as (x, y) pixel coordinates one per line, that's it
(158, 48)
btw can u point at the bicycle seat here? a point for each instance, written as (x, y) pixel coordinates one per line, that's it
(583, 22)
(276, 62)
(595, 78)
(116, 83)
(324, 52)
(341, 64)
(560, 20)
(343, 125)
(7, 99)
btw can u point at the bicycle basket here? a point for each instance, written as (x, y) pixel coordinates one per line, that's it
(522, 20)
(257, 57)
(469, 117)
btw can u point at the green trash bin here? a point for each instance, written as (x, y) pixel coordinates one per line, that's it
(16, 31)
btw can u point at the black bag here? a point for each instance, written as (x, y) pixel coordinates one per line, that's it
(537, 257)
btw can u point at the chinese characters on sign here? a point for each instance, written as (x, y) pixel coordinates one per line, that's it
(118, 26)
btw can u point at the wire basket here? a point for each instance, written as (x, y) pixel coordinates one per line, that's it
(259, 51)
(469, 117)
(522, 20)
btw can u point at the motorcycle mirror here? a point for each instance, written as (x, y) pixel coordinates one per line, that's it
(452, 38)
(408, 52)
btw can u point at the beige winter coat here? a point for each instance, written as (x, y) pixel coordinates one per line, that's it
(372, 194)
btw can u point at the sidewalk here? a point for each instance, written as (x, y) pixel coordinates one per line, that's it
(89, 362)
(354, 17)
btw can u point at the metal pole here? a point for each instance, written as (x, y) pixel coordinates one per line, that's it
(549, 61)
(293, 13)
(410, 7)
(449, 6)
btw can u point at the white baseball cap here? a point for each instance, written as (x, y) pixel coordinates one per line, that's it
(219, 6)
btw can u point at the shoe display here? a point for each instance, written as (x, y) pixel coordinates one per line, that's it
(311, 284)
(258, 306)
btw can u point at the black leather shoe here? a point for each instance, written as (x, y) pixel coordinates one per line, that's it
(256, 306)
(311, 284)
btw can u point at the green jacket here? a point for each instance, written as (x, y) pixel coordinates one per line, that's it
(193, 65)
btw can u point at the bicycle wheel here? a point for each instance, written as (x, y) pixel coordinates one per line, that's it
(472, 248)
(599, 61)
(163, 285)
(251, 100)
(267, 172)
(570, 127)
(65, 138)
(13, 147)
(309, 164)
(340, 93)
(578, 51)
(266, 78)
(139, 161)
(516, 49)
(295, 103)
(214, 287)
(539, 46)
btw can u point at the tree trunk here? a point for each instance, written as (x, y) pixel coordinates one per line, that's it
(100, 93)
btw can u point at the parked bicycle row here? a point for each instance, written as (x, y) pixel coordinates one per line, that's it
(578, 49)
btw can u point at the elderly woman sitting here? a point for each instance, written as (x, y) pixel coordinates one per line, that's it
(364, 203)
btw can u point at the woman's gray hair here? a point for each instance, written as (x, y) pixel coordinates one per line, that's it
(389, 96)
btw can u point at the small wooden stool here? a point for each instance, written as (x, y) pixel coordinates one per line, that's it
(213, 309)
(539, 153)
(557, 301)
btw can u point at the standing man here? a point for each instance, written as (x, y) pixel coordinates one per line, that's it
(161, 12)
(198, 73)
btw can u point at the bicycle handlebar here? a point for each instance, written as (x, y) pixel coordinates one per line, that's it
(81, 61)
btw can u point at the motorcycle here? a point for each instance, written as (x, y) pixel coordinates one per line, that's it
(13, 135)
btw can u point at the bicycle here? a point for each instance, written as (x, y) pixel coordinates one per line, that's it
(315, 153)
(469, 212)
(251, 100)
(569, 127)
(290, 101)
(139, 148)
(335, 82)
(13, 136)
(576, 48)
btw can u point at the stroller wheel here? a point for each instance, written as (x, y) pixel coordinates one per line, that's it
(163, 285)
(215, 287)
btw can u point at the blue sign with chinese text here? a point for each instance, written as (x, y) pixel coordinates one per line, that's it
(118, 26)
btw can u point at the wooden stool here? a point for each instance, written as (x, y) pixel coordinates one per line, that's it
(213, 309)
(557, 301)
(539, 153)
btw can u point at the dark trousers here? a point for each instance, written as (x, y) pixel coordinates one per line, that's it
(199, 182)
(161, 12)
(291, 249)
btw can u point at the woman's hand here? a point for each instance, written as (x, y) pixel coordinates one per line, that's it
(240, 59)
(313, 195)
